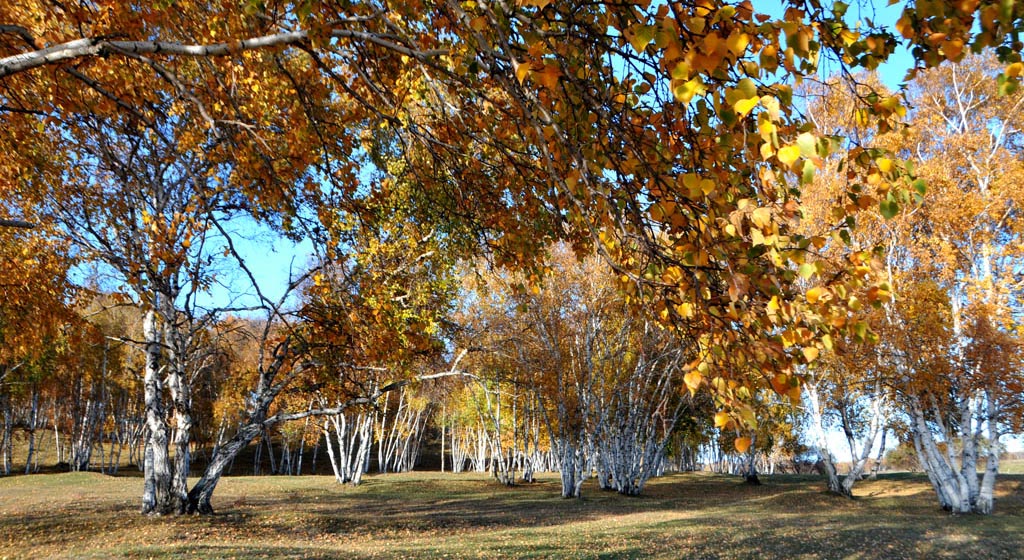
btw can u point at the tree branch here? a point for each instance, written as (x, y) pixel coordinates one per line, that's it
(92, 47)
(16, 224)
(372, 397)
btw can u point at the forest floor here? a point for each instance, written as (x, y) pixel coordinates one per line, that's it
(443, 515)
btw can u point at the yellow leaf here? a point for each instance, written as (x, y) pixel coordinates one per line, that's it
(814, 294)
(685, 310)
(742, 444)
(663, 211)
(686, 91)
(745, 106)
(952, 49)
(522, 70)
(737, 42)
(772, 104)
(884, 165)
(692, 381)
(789, 155)
(762, 217)
(746, 87)
(721, 419)
(642, 36)
(681, 71)
(747, 413)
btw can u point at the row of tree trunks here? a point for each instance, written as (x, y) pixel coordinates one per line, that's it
(399, 432)
(90, 431)
(354, 437)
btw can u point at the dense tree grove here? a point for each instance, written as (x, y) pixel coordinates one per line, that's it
(603, 238)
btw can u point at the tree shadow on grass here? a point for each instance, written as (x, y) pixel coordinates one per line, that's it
(423, 516)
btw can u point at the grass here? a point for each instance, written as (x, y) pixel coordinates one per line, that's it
(434, 515)
(1011, 467)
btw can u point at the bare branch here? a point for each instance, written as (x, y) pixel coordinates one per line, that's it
(92, 47)
(372, 397)
(16, 224)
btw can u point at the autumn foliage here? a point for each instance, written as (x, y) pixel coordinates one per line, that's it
(736, 230)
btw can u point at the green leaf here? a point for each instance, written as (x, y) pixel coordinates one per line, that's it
(747, 88)
(860, 330)
(642, 36)
(1007, 86)
(889, 209)
(806, 270)
(808, 174)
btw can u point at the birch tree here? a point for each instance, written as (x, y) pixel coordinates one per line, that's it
(968, 138)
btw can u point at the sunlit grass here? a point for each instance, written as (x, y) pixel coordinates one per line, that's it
(1011, 467)
(433, 515)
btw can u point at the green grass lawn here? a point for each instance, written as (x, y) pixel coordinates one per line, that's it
(434, 515)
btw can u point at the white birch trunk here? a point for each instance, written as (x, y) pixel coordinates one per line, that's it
(985, 503)
(157, 496)
(32, 419)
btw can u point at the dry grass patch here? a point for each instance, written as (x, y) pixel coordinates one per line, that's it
(433, 515)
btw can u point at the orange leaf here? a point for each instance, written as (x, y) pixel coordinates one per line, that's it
(780, 383)
(742, 444)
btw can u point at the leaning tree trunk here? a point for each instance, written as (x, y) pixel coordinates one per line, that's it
(821, 441)
(859, 463)
(201, 493)
(950, 487)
